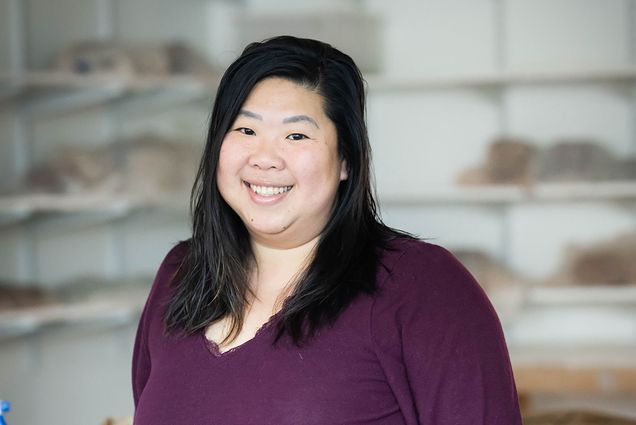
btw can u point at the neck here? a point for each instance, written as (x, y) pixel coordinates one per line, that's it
(277, 268)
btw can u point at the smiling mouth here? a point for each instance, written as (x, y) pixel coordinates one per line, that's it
(268, 190)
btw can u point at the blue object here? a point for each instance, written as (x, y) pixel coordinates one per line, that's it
(5, 406)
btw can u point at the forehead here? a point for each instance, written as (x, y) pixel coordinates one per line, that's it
(277, 94)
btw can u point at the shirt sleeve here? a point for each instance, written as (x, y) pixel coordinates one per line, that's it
(440, 343)
(141, 358)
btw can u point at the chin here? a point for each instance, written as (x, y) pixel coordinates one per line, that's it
(267, 229)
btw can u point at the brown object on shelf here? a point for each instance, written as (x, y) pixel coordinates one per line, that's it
(508, 162)
(577, 160)
(149, 60)
(128, 420)
(72, 170)
(94, 57)
(503, 288)
(610, 262)
(629, 168)
(125, 60)
(185, 60)
(487, 271)
(13, 296)
(149, 166)
(156, 166)
(575, 418)
(550, 379)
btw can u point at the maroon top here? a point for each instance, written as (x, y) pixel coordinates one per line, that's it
(427, 349)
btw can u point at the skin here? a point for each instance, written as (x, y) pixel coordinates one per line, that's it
(281, 139)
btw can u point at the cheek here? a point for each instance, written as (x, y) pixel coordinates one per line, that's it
(319, 169)
(230, 161)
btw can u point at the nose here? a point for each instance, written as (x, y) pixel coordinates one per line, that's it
(265, 156)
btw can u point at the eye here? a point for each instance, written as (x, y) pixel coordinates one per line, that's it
(245, 130)
(297, 136)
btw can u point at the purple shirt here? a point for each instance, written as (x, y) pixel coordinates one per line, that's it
(427, 349)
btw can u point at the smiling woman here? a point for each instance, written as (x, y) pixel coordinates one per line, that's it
(279, 167)
(292, 303)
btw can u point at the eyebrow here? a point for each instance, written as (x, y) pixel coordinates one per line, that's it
(292, 119)
(298, 118)
(250, 114)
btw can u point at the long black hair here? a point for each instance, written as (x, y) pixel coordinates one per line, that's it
(213, 279)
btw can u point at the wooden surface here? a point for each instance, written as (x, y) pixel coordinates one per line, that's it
(581, 370)
(561, 380)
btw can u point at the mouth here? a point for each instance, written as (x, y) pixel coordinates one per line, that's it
(267, 190)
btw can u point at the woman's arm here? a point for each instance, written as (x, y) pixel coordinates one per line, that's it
(441, 344)
(152, 315)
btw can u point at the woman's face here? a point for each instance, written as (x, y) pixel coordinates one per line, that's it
(279, 167)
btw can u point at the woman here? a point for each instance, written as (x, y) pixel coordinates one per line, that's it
(292, 303)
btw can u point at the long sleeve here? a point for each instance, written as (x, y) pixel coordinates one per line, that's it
(152, 314)
(440, 343)
(141, 363)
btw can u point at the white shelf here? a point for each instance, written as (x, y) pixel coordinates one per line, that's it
(596, 295)
(117, 85)
(47, 91)
(22, 207)
(113, 309)
(574, 357)
(34, 80)
(508, 194)
(502, 79)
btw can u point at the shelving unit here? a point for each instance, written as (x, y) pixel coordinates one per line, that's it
(505, 79)
(53, 91)
(513, 194)
(105, 310)
(32, 95)
(17, 86)
(27, 205)
(47, 92)
(23, 207)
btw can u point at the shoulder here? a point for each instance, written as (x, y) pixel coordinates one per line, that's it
(403, 252)
(429, 280)
(173, 259)
(176, 254)
(438, 338)
(411, 261)
(168, 268)
(427, 299)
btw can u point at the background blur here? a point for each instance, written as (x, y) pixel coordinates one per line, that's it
(504, 130)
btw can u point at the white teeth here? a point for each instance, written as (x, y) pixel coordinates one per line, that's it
(269, 190)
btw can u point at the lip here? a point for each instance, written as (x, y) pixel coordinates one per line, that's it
(262, 199)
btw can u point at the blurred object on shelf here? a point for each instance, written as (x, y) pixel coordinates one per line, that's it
(575, 418)
(147, 166)
(508, 162)
(86, 301)
(110, 57)
(94, 287)
(573, 160)
(490, 274)
(629, 167)
(128, 420)
(502, 286)
(511, 161)
(14, 296)
(93, 57)
(185, 60)
(608, 262)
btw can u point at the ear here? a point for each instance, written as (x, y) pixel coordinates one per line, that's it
(344, 174)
